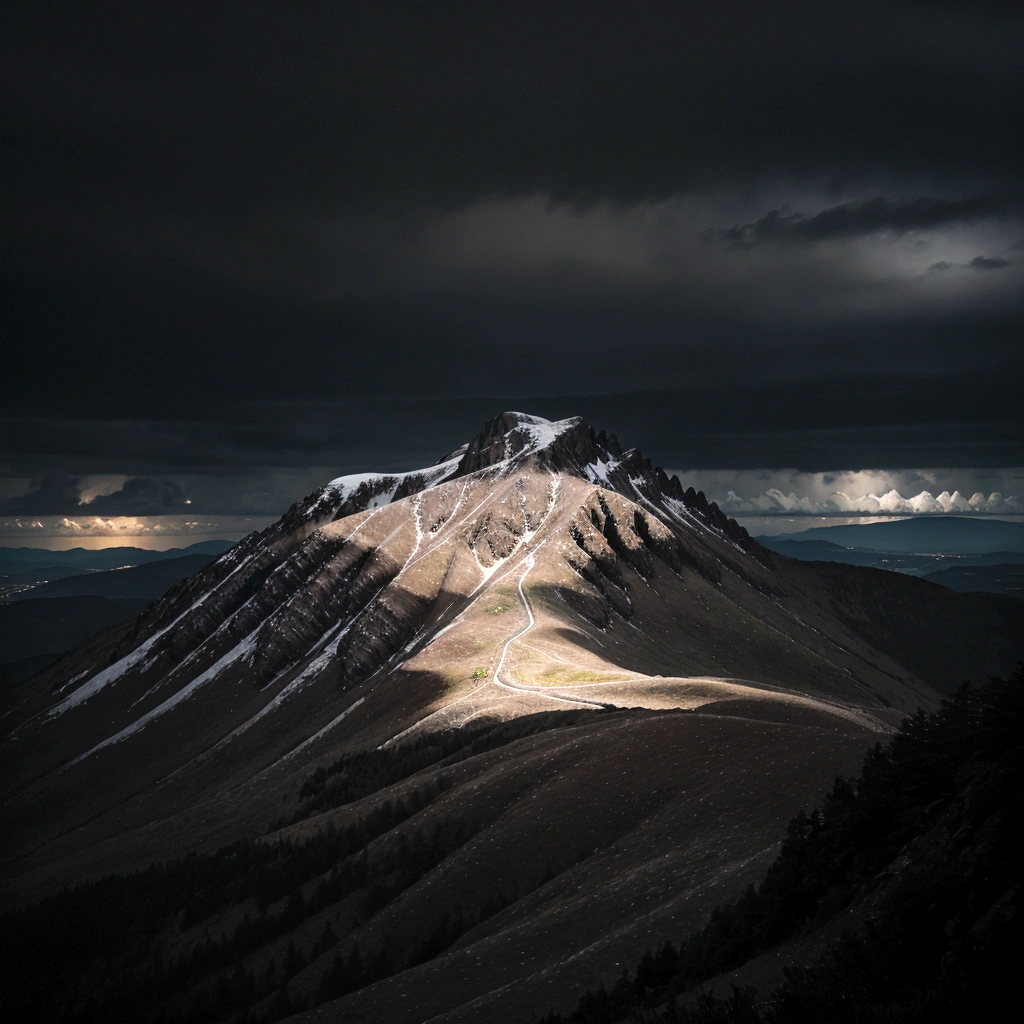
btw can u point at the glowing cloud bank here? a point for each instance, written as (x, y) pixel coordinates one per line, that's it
(85, 528)
(891, 503)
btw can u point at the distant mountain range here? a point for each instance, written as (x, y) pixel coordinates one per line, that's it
(26, 559)
(951, 535)
(536, 697)
(50, 609)
(147, 581)
(963, 554)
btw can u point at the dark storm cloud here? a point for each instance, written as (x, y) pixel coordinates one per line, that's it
(989, 263)
(448, 102)
(849, 220)
(138, 496)
(302, 207)
(51, 494)
(58, 494)
(978, 263)
(948, 418)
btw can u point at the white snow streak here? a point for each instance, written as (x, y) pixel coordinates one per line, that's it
(597, 472)
(346, 486)
(244, 647)
(542, 432)
(114, 672)
(312, 739)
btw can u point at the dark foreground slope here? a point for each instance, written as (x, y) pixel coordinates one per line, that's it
(474, 875)
(403, 890)
(899, 900)
(45, 627)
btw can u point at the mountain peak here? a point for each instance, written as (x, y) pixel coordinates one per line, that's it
(505, 444)
(518, 435)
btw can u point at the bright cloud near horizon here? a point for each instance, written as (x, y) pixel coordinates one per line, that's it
(143, 531)
(892, 502)
(865, 492)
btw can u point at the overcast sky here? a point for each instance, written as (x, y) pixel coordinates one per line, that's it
(245, 252)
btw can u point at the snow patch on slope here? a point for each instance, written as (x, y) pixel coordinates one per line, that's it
(114, 672)
(240, 650)
(539, 432)
(347, 486)
(597, 472)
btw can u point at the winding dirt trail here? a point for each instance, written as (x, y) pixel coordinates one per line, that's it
(510, 684)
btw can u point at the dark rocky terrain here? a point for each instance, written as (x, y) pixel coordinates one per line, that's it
(475, 734)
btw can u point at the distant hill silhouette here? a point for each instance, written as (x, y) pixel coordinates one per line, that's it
(21, 559)
(148, 581)
(990, 579)
(924, 565)
(37, 625)
(926, 534)
(30, 577)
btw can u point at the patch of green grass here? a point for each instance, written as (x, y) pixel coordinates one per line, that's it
(554, 676)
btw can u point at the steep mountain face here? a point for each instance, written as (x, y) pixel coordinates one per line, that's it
(539, 568)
